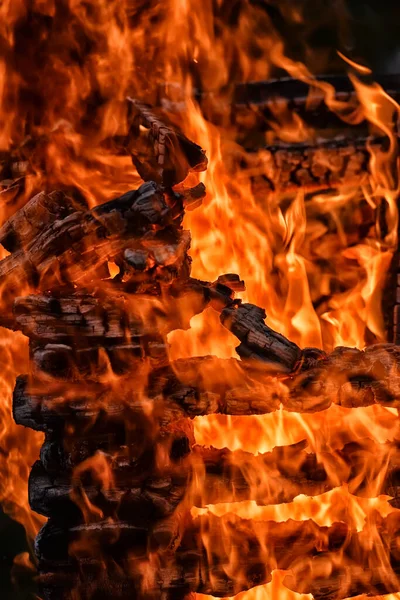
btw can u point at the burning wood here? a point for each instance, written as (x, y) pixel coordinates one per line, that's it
(258, 102)
(159, 151)
(325, 164)
(205, 475)
(196, 569)
(121, 368)
(119, 470)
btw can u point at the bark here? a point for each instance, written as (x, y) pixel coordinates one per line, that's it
(258, 341)
(348, 561)
(75, 248)
(41, 211)
(312, 165)
(159, 151)
(206, 476)
(69, 363)
(206, 385)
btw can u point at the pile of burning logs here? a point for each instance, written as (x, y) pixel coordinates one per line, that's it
(120, 471)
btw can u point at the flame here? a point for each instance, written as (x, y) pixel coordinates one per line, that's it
(301, 253)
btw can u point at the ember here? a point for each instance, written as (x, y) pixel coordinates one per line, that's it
(203, 259)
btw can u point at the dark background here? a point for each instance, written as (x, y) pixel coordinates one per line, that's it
(367, 31)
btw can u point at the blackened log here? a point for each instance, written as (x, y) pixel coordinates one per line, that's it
(258, 341)
(51, 405)
(293, 90)
(134, 495)
(191, 567)
(261, 98)
(284, 473)
(40, 212)
(66, 362)
(311, 166)
(332, 563)
(206, 385)
(217, 475)
(75, 247)
(45, 405)
(82, 319)
(66, 584)
(87, 319)
(159, 151)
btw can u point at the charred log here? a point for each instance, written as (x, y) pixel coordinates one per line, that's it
(41, 211)
(76, 247)
(312, 166)
(258, 341)
(206, 476)
(257, 102)
(348, 377)
(183, 570)
(159, 151)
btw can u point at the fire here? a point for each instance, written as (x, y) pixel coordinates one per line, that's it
(299, 251)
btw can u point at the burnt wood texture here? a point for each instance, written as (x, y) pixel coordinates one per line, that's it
(120, 470)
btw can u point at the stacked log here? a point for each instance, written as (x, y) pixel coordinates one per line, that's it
(119, 470)
(255, 103)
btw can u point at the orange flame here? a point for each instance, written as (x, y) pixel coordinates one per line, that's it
(301, 254)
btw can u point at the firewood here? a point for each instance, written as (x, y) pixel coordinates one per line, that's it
(191, 567)
(207, 385)
(41, 211)
(159, 151)
(258, 341)
(66, 584)
(77, 403)
(264, 93)
(216, 476)
(74, 248)
(139, 497)
(81, 318)
(86, 318)
(69, 363)
(257, 101)
(321, 164)
(348, 562)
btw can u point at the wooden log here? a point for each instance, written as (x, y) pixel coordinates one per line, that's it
(62, 404)
(40, 212)
(81, 318)
(206, 385)
(159, 151)
(66, 584)
(89, 318)
(192, 567)
(207, 476)
(312, 166)
(258, 341)
(66, 362)
(84, 319)
(257, 101)
(185, 388)
(74, 248)
(264, 93)
(139, 497)
(330, 562)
